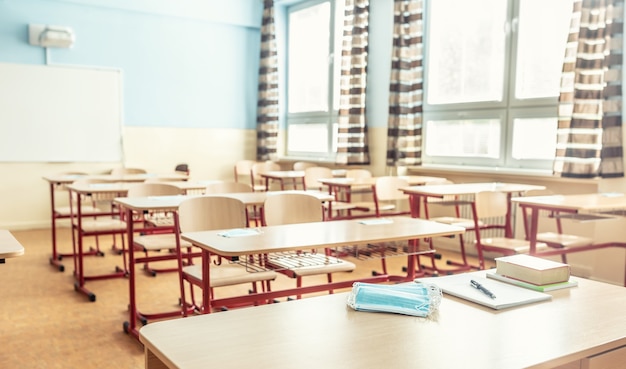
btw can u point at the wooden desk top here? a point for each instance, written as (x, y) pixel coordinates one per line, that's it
(323, 332)
(586, 202)
(468, 188)
(330, 234)
(172, 202)
(354, 182)
(67, 179)
(9, 246)
(283, 174)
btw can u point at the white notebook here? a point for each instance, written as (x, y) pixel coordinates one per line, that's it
(507, 295)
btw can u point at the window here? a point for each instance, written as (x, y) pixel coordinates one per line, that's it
(492, 81)
(313, 77)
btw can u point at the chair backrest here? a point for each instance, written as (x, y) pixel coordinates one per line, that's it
(491, 204)
(227, 187)
(242, 170)
(292, 208)
(153, 189)
(205, 213)
(312, 176)
(124, 171)
(182, 169)
(358, 173)
(387, 188)
(302, 165)
(262, 167)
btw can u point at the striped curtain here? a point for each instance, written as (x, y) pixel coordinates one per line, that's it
(404, 133)
(267, 105)
(589, 139)
(352, 147)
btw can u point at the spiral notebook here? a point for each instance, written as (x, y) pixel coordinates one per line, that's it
(507, 295)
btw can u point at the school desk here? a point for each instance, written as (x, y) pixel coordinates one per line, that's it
(582, 326)
(9, 246)
(134, 205)
(584, 207)
(279, 239)
(59, 182)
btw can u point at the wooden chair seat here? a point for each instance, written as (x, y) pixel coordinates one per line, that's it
(311, 264)
(228, 274)
(371, 206)
(101, 224)
(459, 222)
(510, 246)
(157, 242)
(559, 240)
(66, 211)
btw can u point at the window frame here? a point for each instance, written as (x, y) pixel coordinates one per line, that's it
(508, 109)
(329, 117)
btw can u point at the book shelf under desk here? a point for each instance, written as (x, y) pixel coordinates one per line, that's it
(304, 259)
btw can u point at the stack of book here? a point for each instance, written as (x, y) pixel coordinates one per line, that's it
(532, 272)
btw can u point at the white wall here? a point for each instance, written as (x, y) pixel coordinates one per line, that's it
(210, 153)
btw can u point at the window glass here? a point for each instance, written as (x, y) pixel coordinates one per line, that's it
(309, 42)
(466, 51)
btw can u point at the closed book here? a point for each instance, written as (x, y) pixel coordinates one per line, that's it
(532, 269)
(541, 288)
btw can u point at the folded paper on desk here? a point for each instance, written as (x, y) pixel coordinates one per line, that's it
(240, 232)
(507, 295)
(407, 298)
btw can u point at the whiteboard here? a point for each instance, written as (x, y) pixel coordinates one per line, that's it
(60, 114)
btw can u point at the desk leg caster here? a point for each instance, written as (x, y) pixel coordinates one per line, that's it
(61, 267)
(90, 295)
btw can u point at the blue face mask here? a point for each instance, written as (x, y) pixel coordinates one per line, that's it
(416, 299)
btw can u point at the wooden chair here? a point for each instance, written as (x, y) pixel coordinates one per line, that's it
(157, 239)
(64, 211)
(388, 199)
(107, 221)
(227, 187)
(558, 239)
(182, 169)
(302, 165)
(256, 181)
(292, 208)
(494, 205)
(456, 220)
(206, 213)
(312, 175)
(235, 187)
(242, 171)
(126, 171)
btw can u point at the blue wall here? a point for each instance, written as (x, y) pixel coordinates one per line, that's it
(187, 63)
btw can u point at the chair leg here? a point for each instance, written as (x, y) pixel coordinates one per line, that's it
(329, 278)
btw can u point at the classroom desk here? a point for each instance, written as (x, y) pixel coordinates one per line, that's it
(584, 207)
(419, 194)
(9, 246)
(347, 185)
(282, 176)
(323, 332)
(60, 181)
(329, 234)
(169, 204)
(99, 191)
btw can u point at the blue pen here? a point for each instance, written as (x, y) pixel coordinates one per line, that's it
(482, 288)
